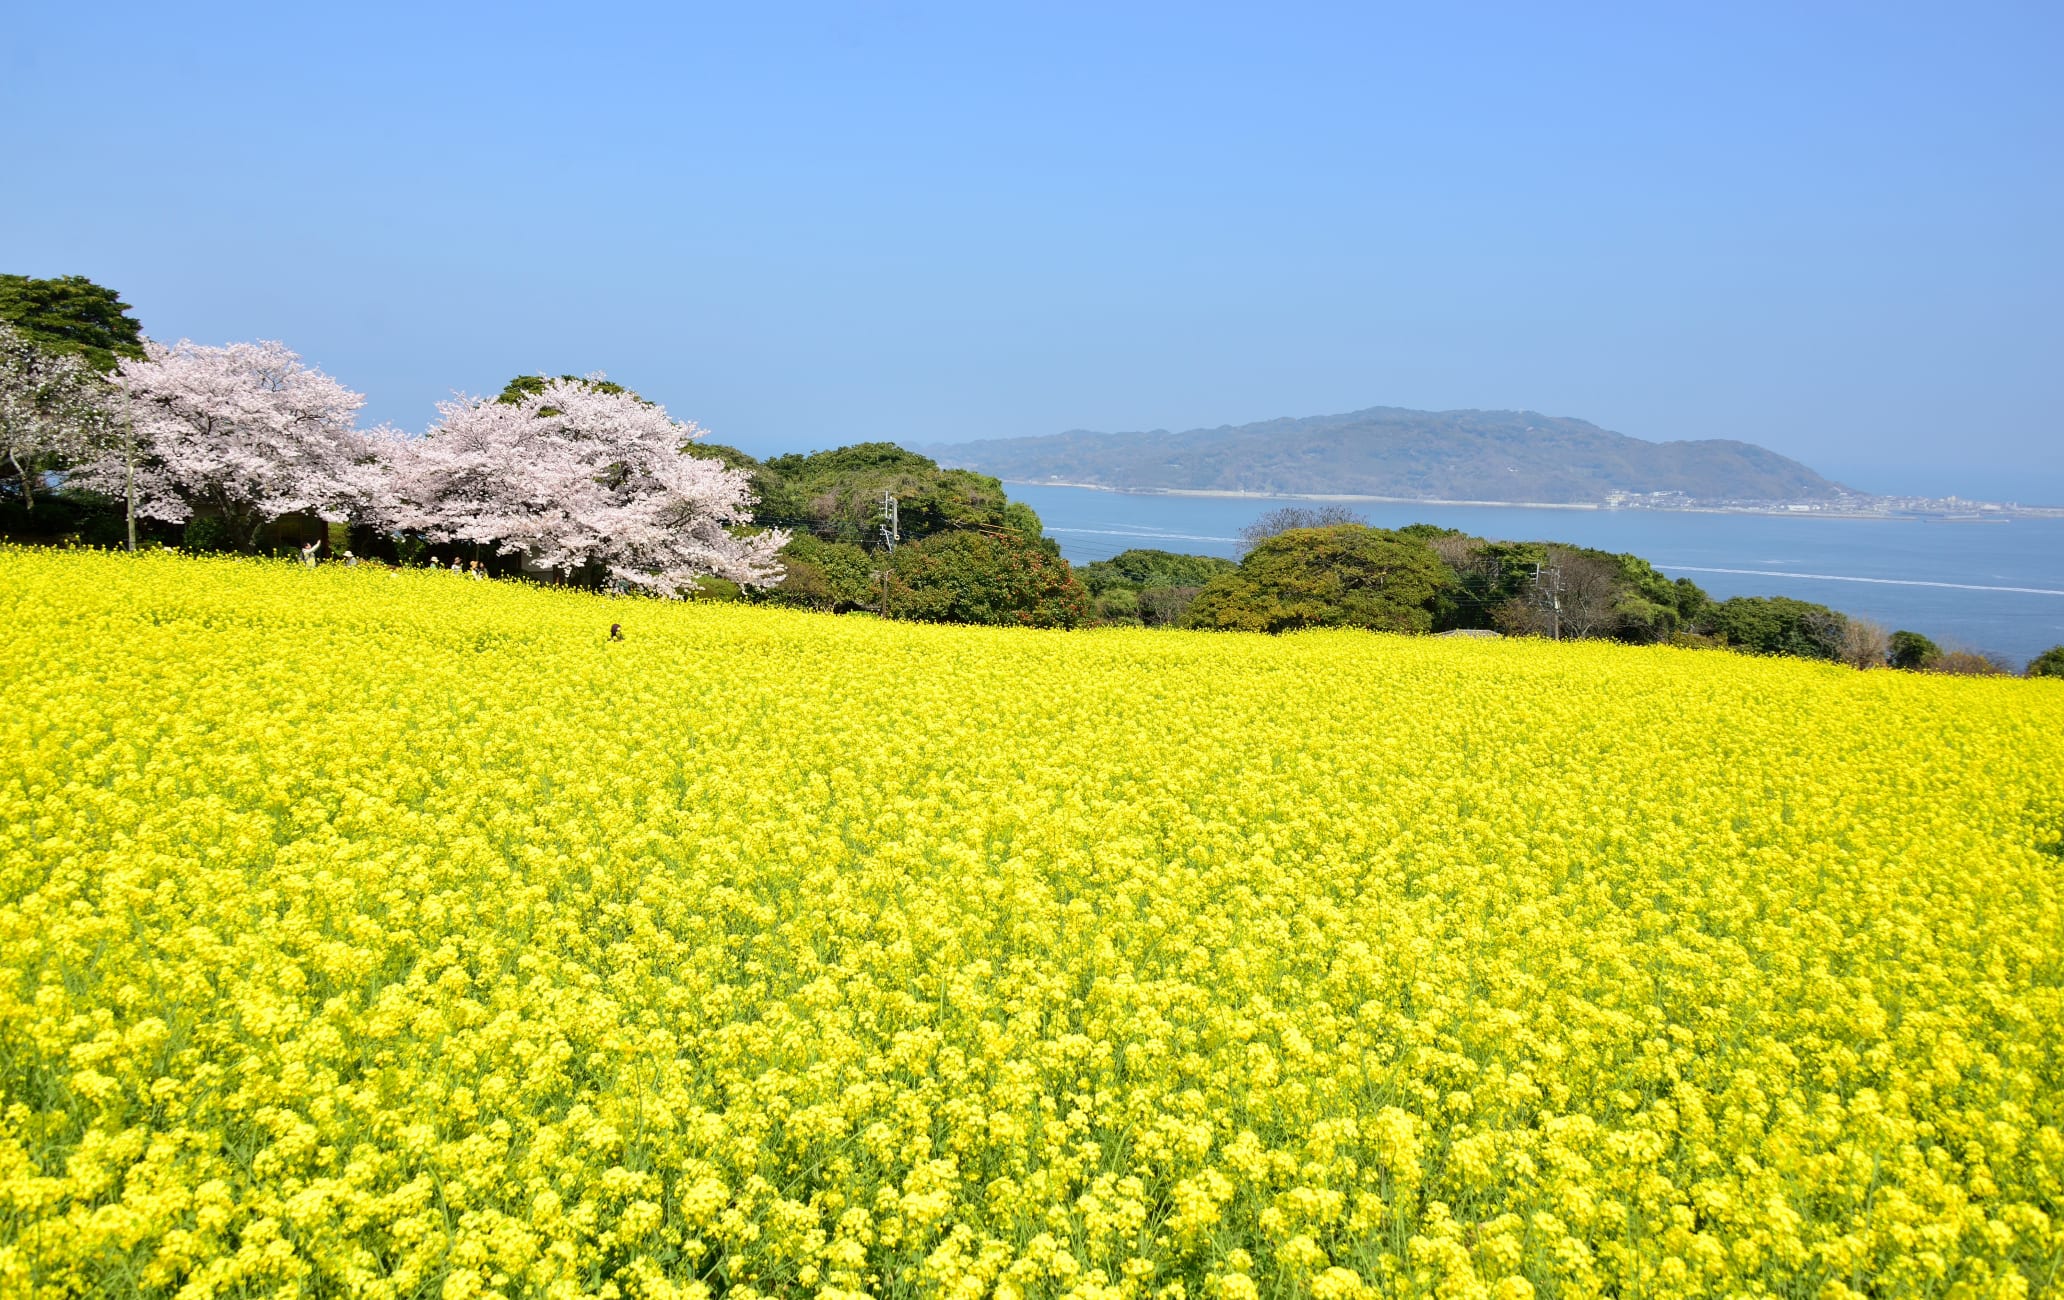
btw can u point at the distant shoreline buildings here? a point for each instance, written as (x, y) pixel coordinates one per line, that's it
(1848, 505)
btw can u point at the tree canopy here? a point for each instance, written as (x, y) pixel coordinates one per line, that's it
(994, 578)
(1346, 575)
(837, 495)
(1912, 651)
(579, 476)
(1777, 625)
(1142, 567)
(73, 316)
(1150, 587)
(1547, 588)
(831, 501)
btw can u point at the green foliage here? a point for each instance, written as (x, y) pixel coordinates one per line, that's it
(523, 386)
(872, 460)
(1141, 567)
(72, 314)
(2050, 663)
(837, 495)
(1148, 587)
(829, 576)
(1913, 652)
(966, 553)
(1602, 594)
(72, 516)
(1164, 606)
(1776, 625)
(999, 579)
(208, 533)
(1487, 577)
(1343, 576)
(1652, 607)
(729, 457)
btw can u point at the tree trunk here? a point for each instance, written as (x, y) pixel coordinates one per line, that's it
(28, 495)
(129, 459)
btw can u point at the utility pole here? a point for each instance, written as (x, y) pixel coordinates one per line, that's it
(129, 466)
(1553, 593)
(891, 533)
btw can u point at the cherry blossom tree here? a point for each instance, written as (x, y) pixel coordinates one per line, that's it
(245, 431)
(575, 477)
(52, 406)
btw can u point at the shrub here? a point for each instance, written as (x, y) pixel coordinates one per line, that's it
(1776, 625)
(1342, 576)
(994, 578)
(207, 533)
(1912, 651)
(1864, 644)
(1969, 663)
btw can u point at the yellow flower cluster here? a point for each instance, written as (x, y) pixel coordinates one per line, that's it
(400, 936)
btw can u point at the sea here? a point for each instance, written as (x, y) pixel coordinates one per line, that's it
(1990, 585)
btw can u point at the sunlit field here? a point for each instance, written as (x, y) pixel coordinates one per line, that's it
(402, 936)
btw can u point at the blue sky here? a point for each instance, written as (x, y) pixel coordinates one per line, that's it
(1837, 230)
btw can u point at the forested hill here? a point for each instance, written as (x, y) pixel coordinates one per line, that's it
(1392, 452)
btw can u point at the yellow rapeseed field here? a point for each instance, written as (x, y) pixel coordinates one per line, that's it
(393, 936)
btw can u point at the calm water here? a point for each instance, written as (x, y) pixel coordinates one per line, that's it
(1982, 586)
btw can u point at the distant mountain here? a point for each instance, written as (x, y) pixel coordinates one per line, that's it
(1387, 451)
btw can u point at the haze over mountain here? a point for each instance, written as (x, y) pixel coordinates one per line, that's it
(1387, 451)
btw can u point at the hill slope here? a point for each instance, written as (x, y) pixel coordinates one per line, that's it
(1392, 452)
(404, 936)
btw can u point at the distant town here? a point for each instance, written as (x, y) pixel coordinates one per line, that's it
(1853, 505)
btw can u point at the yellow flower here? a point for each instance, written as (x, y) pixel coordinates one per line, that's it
(383, 937)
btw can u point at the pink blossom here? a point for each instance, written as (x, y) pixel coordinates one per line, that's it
(246, 431)
(573, 478)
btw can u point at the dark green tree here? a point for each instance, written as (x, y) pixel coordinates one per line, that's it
(995, 578)
(1346, 575)
(826, 576)
(837, 495)
(1141, 568)
(1913, 652)
(2050, 663)
(1150, 587)
(1512, 585)
(1776, 625)
(72, 315)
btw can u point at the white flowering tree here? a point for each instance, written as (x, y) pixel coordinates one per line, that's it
(52, 406)
(246, 432)
(575, 476)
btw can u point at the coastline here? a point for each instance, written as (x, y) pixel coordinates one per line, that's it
(1234, 494)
